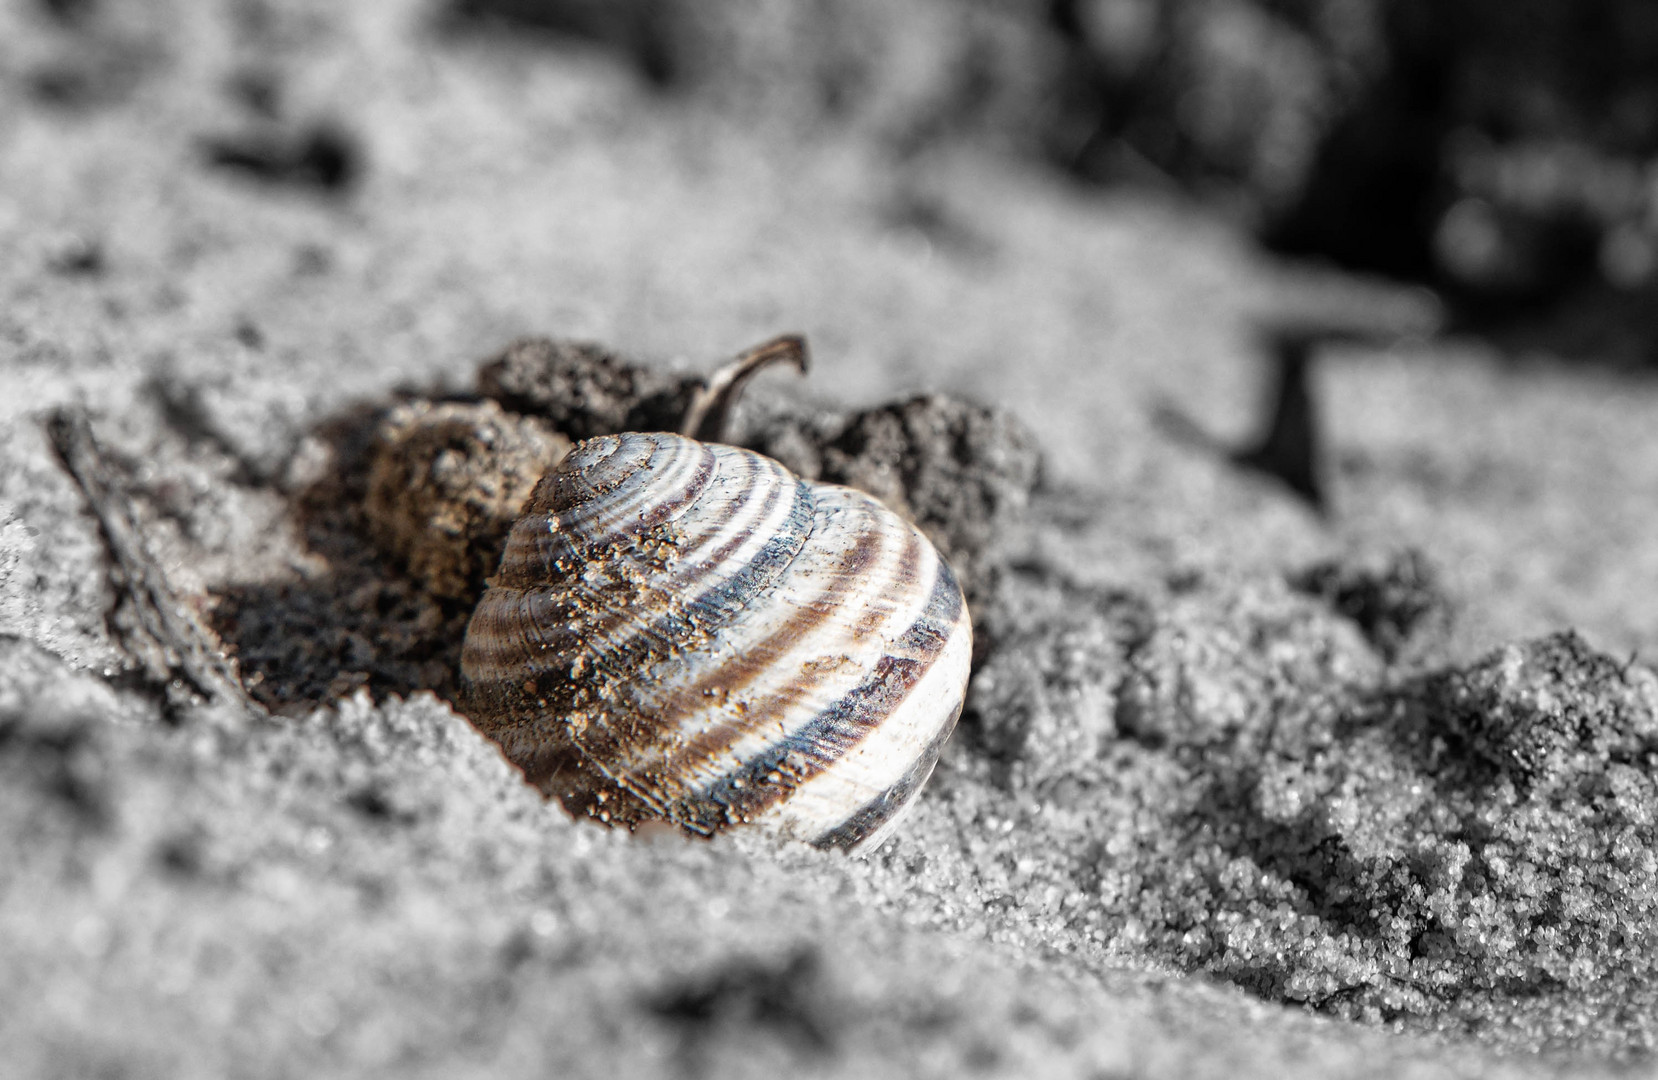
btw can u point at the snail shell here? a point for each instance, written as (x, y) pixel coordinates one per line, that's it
(688, 632)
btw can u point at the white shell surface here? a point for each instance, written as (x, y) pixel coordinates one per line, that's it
(688, 632)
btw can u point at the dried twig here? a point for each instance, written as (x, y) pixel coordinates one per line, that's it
(177, 654)
(709, 416)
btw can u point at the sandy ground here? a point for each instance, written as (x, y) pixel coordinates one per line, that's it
(367, 888)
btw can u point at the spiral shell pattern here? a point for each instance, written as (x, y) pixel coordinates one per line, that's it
(688, 632)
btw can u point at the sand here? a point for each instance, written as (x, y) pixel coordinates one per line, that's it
(1242, 788)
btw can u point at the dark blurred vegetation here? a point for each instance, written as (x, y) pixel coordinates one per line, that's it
(1505, 151)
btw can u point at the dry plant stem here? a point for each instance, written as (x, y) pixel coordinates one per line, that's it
(176, 653)
(1290, 447)
(708, 417)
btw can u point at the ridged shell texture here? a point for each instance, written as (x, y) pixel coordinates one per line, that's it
(688, 632)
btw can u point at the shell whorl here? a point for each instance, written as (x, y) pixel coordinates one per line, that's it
(688, 632)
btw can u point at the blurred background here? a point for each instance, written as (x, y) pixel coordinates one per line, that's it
(1503, 152)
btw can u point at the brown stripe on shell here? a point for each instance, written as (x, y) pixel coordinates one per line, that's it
(684, 572)
(869, 818)
(815, 747)
(739, 674)
(672, 562)
(555, 534)
(590, 695)
(628, 603)
(549, 629)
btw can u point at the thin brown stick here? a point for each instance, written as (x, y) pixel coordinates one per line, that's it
(176, 652)
(709, 415)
